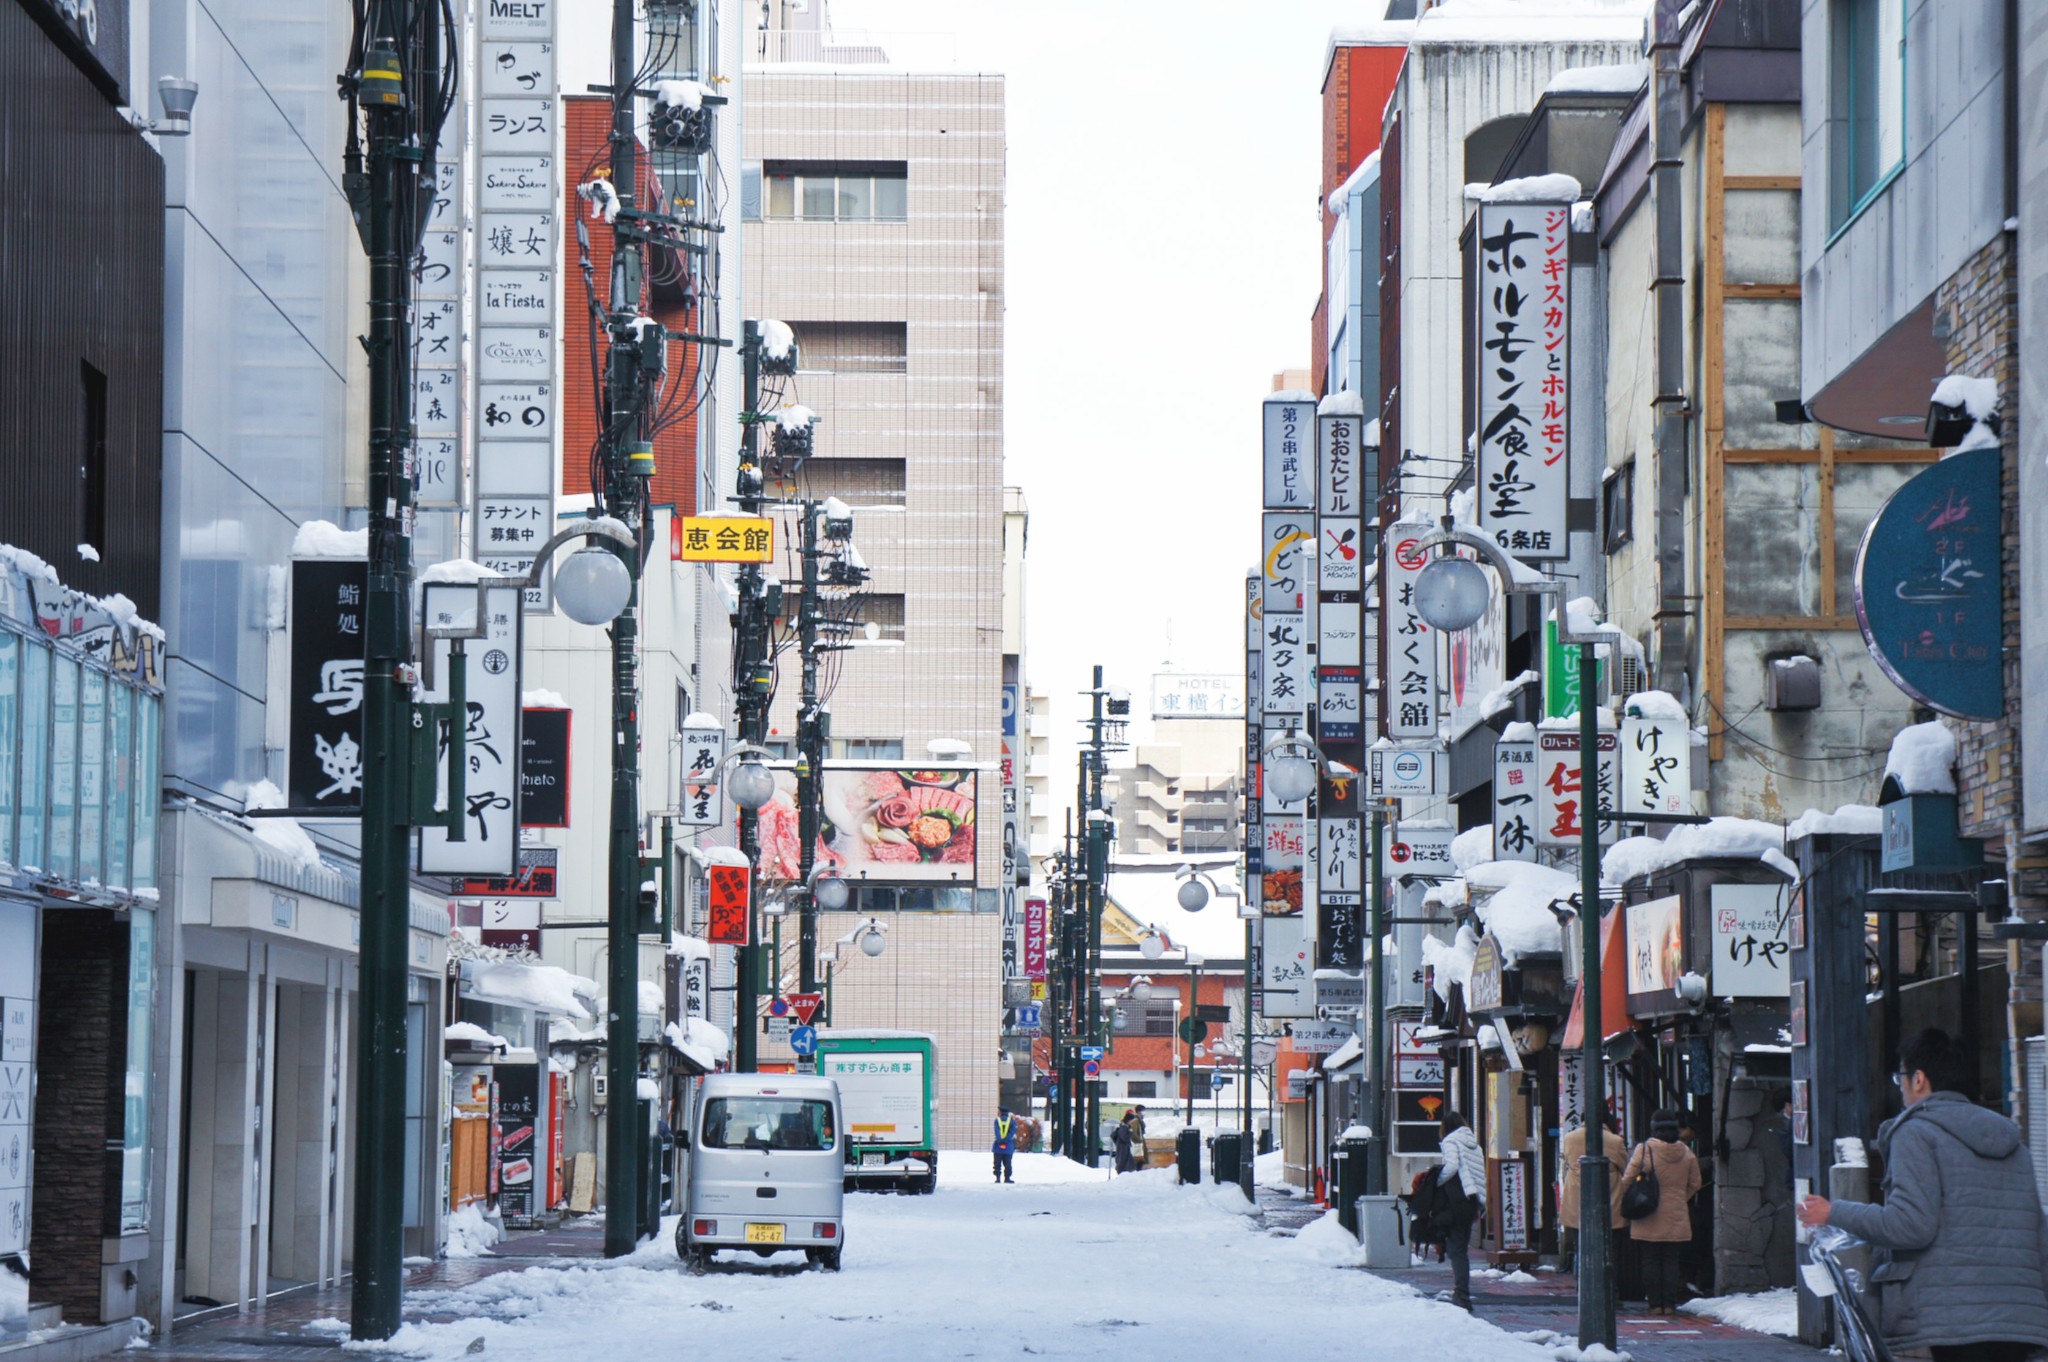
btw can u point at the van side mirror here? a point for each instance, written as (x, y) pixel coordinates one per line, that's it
(682, 1138)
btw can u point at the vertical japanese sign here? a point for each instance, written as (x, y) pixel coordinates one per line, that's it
(490, 806)
(325, 767)
(1340, 892)
(440, 358)
(518, 243)
(1016, 855)
(1411, 679)
(1561, 674)
(703, 747)
(1752, 953)
(1290, 451)
(1284, 842)
(1560, 792)
(730, 907)
(1286, 973)
(518, 1114)
(1656, 764)
(1034, 938)
(1514, 799)
(1523, 369)
(1284, 664)
(1254, 732)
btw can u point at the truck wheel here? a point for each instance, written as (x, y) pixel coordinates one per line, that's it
(828, 1259)
(682, 1242)
(927, 1184)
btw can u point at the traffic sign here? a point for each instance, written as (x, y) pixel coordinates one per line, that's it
(778, 1028)
(1028, 1017)
(806, 1005)
(804, 1040)
(1193, 1029)
(780, 1008)
(1092, 1067)
(1052, 1090)
(1091, 1052)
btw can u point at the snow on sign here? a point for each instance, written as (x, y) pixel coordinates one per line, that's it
(1752, 958)
(324, 770)
(1656, 761)
(491, 738)
(1523, 369)
(1290, 434)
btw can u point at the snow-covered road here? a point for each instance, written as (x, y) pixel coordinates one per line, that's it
(1066, 1263)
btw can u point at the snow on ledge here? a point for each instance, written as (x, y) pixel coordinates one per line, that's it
(1978, 397)
(542, 699)
(776, 339)
(325, 539)
(1341, 404)
(1553, 188)
(1624, 78)
(1290, 395)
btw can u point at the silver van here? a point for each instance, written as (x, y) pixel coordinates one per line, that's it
(767, 1169)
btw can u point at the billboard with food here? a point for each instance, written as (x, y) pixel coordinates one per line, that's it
(883, 824)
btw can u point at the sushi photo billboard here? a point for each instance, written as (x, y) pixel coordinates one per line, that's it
(888, 825)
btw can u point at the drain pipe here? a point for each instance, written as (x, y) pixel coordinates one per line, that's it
(1669, 652)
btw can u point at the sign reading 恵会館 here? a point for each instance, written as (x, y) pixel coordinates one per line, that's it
(1290, 454)
(1409, 683)
(513, 179)
(702, 744)
(1514, 798)
(1930, 587)
(1522, 367)
(324, 768)
(1752, 954)
(490, 731)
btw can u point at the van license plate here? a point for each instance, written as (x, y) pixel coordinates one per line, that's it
(764, 1234)
(873, 1160)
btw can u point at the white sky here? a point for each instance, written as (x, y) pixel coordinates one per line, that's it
(1164, 254)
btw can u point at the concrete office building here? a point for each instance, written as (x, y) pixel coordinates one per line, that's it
(875, 199)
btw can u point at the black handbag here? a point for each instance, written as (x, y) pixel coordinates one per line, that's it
(1639, 1200)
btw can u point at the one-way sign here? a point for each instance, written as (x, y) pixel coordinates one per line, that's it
(1091, 1052)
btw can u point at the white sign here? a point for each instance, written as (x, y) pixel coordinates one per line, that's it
(437, 471)
(1559, 798)
(1339, 992)
(1284, 671)
(516, 354)
(515, 69)
(1514, 801)
(512, 240)
(513, 524)
(490, 807)
(1338, 489)
(1340, 703)
(1290, 453)
(1752, 958)
(1185, 695)
(526, 182)
(437, 401)
(517, 126)
(517, 18)
(521, 296)
(1340, 554)
(439, 273)
(1287, 966)
(1397, 771)
(1340, 634)
(1411, 676)
(1283, 558)
(1656, 765)
(1522, 366)
(525, 410)
(1418, 849)
(1340, 856)
(515, 468)
(1319, 1037)
(703, 748)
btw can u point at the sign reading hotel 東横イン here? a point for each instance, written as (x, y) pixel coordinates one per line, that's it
(725, 539)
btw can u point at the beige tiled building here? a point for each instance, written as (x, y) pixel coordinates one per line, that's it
(874, 206)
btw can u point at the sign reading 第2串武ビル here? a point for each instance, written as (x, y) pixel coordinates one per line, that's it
(1929, 589)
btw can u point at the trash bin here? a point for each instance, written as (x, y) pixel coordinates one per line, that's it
(1383, 1230)
(1348, 1162)
(1225, 1150)
(1187, 1155)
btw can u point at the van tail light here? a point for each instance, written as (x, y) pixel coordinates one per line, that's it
(824, 1229)
(703, 1227)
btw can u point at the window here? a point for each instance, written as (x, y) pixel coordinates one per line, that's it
(871, 749)
(853, 347)
(1618, 506)
(828, 191)
(1866, 102)
(785, 1123)
(884, 611)
(858, 482)
(92, 457)
(1142, 1087)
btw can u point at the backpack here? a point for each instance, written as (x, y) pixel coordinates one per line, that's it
(1642, 1196)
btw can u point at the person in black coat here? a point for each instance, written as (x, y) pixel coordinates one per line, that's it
(1120, 1141)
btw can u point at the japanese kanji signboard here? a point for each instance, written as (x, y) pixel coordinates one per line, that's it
(1034, 938)
(1752, 955)
(724, 539)
(1656, 764)
(1523, 370)
(324, 768)
(1411, 675)
(703, 747)
(730, 915)
(1290, 452)
(1514, 800)
(1559, 796)
(536, 878)
(491, 751)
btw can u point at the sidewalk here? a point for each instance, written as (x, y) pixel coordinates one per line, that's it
(278, 1331)
(1551, 1303)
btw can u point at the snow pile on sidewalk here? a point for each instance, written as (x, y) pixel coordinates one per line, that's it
(1327, 1241)
(1766, 1312)
(470, 1234)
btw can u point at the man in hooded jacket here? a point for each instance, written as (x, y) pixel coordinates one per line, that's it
(1962, 1246)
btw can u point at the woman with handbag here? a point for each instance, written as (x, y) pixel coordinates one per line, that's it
(1657, 1188)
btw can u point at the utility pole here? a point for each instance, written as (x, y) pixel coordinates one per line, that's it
(750, 663)
(1379, 1069)
(389, 92)
(628, 461)
(1098, 871)
(810, 746)
(1596, 1260)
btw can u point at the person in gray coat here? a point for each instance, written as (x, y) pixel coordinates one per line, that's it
(1962, 1246)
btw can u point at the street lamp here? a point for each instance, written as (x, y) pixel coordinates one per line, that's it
(1446, 598)
(1198, 887)
(751, 784)
(829, 889)
(1152, 945)
(1140, 988)
(592, 585)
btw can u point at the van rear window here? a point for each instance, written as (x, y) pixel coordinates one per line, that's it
(768, 1123)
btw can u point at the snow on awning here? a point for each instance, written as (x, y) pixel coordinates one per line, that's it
(538, 988)
(1348, 1055)
(700, 1043)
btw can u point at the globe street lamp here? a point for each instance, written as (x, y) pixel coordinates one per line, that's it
(592, 585)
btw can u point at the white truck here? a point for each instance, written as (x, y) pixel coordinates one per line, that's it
(885, 1087)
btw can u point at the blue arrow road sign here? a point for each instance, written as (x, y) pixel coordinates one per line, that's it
(1091, 1052)
(804, 1040)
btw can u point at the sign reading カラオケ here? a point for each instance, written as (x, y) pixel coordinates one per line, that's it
(1522, 366)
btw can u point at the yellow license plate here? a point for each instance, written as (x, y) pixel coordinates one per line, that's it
(764, 1234)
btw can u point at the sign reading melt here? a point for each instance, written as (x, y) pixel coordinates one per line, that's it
(1523, 370)
(724, 539)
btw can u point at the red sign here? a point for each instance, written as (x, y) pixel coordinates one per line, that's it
(805, 1005)
(1034, 939)
(730, 915)
(534, 880)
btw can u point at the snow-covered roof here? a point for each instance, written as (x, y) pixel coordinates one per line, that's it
(282, 835)
(1730, 838)
(1345, 1054)
(1452, 961)
(703, 1044)
(1473, 846)
(1517, 910)
(470, 1032)
(541, 698)
(540, 988)
(1552, 188)
(1341, 404)
(1978, 397)
(1620, 79)
(1923, 759)
(1531, 21)
(1848, 820)
(1655, 704)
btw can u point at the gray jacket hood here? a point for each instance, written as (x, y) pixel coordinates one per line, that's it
(1984, 1132)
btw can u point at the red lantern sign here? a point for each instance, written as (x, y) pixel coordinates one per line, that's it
(730, 905)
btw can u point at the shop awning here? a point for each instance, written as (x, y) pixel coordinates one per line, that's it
(1613, 987)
